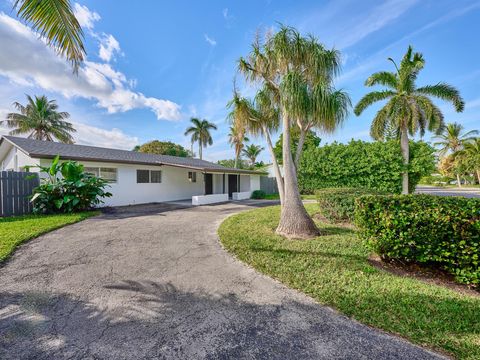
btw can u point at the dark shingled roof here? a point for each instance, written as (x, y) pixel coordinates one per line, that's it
(48, 149)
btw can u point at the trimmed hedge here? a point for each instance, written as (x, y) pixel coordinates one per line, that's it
(424, 229)
(360, 164)
(258, 194)
(338, 204)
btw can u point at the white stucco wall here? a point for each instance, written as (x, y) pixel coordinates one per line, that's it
(174, 186)
(254, 182)
(16, 160)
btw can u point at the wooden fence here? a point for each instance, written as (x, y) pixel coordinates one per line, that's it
(268, 184)
(15, 189)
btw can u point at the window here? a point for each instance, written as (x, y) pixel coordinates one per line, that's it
(108, 174)
(155, 176)
(143, 176)
(192, 176)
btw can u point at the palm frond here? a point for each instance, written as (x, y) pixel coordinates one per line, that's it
(371, 98)
(445, 92)
(384, 78)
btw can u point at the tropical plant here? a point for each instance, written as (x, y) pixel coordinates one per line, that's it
(252, 151)
(237, 138)
(164, 148)
(298, 74)
(41, 119)
(471, 155)
(311, 140)
(409, 108)
(56, 22)
(452, 140)
(200, 132)
(230, 163)
(67, 189)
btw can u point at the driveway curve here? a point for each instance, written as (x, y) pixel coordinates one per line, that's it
(153, 282)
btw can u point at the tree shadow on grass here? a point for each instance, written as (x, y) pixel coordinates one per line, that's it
(143, 320)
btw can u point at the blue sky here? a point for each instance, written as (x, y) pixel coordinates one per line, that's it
(152, 66)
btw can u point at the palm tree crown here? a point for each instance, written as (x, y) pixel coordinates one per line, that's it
(56, 22)
(453, 138)
(251, 152)
(237, 138)
(409, 108)
(40, 118)
(200, 132)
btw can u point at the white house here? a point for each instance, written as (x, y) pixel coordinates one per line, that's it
(135, 177)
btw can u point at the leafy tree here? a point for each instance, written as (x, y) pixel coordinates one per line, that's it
(409, 108)
(164, 148)
(237, 138)
(136, 148)
(471, 156)
(311, 140)
(56, 22)
(230, 163)
(68, 188)
(252, 151)
(298, 75)
(200, 132)
(41, 119)
(360, 164)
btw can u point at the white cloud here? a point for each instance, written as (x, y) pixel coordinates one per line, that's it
(225, 13)
(210, 40)
(27, 61)
(85, 17)
(109, 46)
(94, 136)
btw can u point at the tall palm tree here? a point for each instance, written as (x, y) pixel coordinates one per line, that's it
(299, 72)
(41, 119)
(259, 118)
(409, 108)
(251, 152)
(200, 132)
(56, 22)
(452, 139)
(237, 138)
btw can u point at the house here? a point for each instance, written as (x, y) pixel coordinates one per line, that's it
(135, 177)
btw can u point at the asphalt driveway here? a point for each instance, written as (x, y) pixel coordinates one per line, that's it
(152, 282)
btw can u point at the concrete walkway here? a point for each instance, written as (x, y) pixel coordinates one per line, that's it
(152, 282)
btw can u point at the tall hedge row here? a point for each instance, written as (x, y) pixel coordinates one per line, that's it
(361, 164)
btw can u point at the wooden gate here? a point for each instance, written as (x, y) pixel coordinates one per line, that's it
(15, 189)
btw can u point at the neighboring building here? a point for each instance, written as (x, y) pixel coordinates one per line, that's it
(135, 177)
(270, 170)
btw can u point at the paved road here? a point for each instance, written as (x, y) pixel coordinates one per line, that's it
(153, 282)
(466, 192)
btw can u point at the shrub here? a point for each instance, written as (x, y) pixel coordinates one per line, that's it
(338, 204)
(424, 229)
(361, 164)
(67, 189)
(258, 194)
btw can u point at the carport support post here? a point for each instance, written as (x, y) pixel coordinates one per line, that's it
(223, 188)
(238, 182)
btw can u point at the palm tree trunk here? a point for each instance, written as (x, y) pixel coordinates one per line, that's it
(406, 157)
(276, 168)
(237, 155)
(200, 150)
(459, 182)
(294, 219)
(298, 153)
(478, 175)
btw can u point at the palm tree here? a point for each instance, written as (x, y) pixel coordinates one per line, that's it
(409, 108)
(452, 139)
(471, 150)
(56, 22)
(200, 132)
(237, 138)
(251, 152)
(40, 118)
(299, 73)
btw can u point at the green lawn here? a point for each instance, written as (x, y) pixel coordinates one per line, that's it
(16, 230)
(334, 270)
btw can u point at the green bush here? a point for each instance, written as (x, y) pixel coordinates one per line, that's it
(424, 229)
(361, 164)
(67, 189)
(258, 194)
(338, 204)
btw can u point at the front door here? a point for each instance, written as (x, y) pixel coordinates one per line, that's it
(232, 184)
(208, 184)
